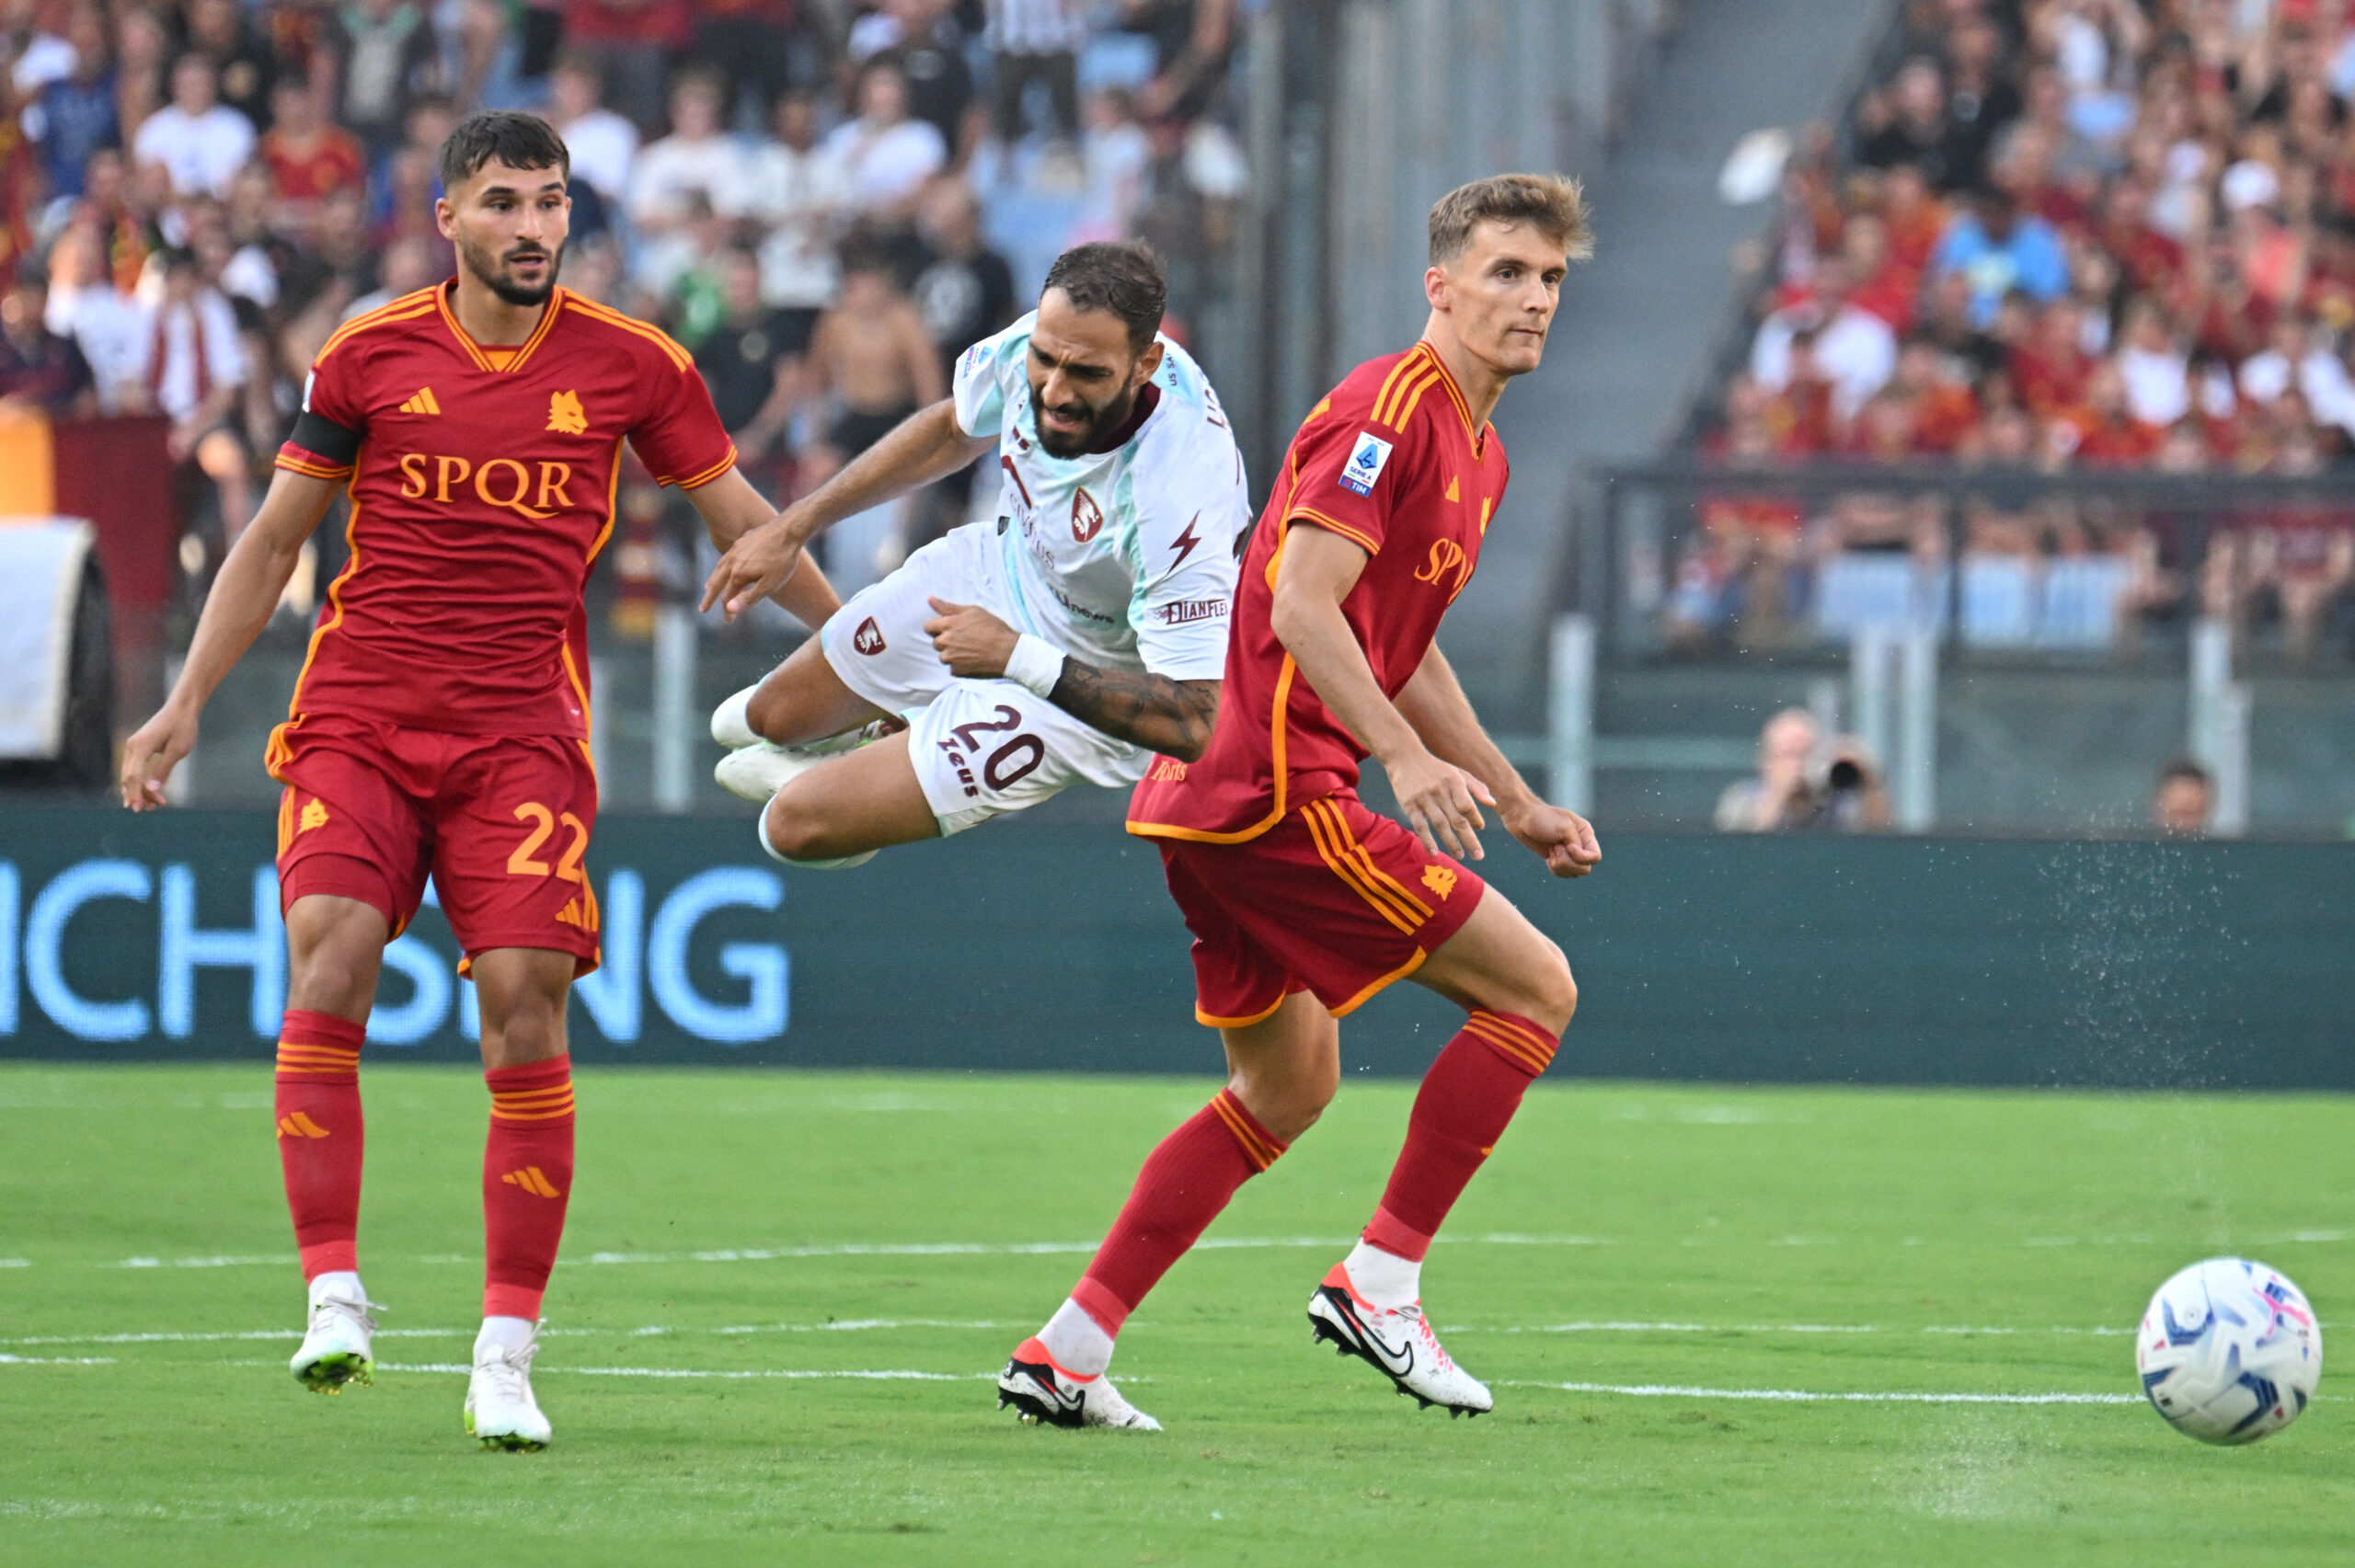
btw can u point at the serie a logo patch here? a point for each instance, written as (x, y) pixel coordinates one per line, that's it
(1365, 463)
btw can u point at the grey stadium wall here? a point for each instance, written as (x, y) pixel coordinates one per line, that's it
(1053, 947)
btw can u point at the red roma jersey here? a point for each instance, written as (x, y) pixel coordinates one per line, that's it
(482, 484)
(1390, 462)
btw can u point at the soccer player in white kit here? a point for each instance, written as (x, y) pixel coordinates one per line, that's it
(1076, 635)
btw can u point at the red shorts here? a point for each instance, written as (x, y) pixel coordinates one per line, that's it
(499, 821)
(1332, 900)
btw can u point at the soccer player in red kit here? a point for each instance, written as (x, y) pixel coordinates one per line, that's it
(1302, 902)
(439, 725)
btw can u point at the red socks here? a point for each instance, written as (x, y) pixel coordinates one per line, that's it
(527, 1178)
(320, 1135)
(526, 1172)
(1467, 1101)
(1184, 1183)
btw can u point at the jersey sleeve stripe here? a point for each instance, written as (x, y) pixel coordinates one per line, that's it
(1415, 398)
(654, 334)
(1401, 407)
(697, 481)
(408, 307)
(1382, 397)
(1333, 525)
(310, 464)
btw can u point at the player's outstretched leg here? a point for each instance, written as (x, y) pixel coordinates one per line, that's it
(1518, 989)
(526, 1184)
(335, 947)
(1288, 1066)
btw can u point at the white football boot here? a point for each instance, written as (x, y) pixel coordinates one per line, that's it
(1399, 1341)
(501, 1410)
(729, 724)
(1044, 1392)
(336, 1349)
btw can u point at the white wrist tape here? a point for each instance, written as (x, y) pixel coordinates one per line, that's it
(1035, 663)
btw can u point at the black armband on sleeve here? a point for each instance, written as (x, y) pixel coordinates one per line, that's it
(318, 434)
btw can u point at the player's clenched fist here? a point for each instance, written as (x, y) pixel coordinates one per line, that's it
(1564, 838)
(974, 644)
(154, 750)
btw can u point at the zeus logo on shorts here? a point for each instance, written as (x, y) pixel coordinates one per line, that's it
(869, 638)
(1365, 463)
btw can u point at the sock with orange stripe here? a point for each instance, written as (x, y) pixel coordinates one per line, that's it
(1467, 1099)
(321, 1136)
(526, 1181)
(1185, 1183)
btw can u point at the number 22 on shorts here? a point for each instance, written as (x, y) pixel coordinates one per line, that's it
(525, 862)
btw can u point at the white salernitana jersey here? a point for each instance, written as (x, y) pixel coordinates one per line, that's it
(1124, 559)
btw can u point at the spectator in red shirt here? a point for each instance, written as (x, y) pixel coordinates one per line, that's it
(309, 159)
(2051, 368)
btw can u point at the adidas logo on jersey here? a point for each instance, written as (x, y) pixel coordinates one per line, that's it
(422, 403)
(300, 1125)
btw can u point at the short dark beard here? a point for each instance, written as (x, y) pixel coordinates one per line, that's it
(1107, 419)
(491, 277)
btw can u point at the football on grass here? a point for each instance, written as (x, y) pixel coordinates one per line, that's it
(2229, 1351)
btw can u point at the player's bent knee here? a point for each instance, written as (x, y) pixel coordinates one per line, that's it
(797, 830)
(1552, 994)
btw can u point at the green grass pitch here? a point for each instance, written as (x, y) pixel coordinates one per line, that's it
(743, 1244)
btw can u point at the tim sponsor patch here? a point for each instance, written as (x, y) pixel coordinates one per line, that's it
(1365, 463)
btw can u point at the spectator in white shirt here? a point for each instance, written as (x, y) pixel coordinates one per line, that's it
(2293, 360)
(105, 324)
(794, 192)
(885, 155)
(194, 367)
(202, 141)
(2157, 372)
(695, 159)
(603, 145)
(1854, 348)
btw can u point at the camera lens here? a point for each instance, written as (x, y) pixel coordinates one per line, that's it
(1846, 774)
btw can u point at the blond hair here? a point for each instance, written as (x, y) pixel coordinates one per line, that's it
(1550, 203)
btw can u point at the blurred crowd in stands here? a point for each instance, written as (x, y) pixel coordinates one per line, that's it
(2062, 236)
(824, 200)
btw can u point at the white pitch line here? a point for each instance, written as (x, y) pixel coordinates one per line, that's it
(1806, 1396)
(792, 1374)
(848, 1325)
(56, 1360)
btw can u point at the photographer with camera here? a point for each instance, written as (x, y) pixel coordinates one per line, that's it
(1805, 781)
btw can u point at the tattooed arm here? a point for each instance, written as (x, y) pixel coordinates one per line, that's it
(1173, 717)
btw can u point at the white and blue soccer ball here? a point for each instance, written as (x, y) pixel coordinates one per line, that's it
(2229, 1351)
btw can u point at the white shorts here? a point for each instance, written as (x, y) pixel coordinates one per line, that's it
(980, 748)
